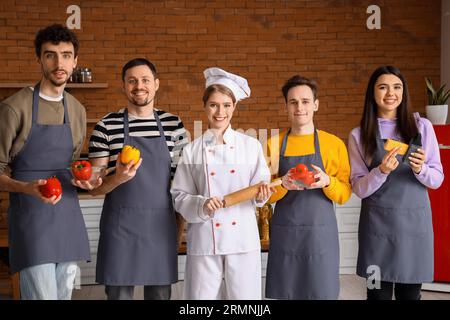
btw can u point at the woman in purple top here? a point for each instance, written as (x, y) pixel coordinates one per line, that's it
(395, 228)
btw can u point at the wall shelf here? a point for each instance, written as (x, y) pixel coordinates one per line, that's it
(93, 85)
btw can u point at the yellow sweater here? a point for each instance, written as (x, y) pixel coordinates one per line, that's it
(334, 156)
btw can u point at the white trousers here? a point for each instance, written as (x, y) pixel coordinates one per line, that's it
(240, 274)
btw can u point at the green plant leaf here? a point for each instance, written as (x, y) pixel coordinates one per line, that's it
(440, 91)
(445, 97)
(430, 91)
(438, 97)
(430, 86)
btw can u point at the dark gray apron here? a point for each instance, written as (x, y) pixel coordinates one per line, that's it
(395, 227)
(303, 260)
(43, 233)
(137, 244)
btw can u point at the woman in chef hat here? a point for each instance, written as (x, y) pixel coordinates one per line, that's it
(222, 243)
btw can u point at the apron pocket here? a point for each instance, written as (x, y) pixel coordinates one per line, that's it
(300, 241)
(35, 225)
(31, 204)
(394, 222)
(34, 211)
(146, 223)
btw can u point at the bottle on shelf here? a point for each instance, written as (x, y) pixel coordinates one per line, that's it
(85, 75)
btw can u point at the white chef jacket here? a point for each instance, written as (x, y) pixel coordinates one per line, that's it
(207, 170)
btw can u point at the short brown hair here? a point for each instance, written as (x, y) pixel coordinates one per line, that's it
(217, 88)
(139, 62)
(298, 80)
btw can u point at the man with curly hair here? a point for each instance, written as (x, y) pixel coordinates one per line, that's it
(41, 132)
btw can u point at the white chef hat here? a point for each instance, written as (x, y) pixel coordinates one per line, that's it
(237, 84)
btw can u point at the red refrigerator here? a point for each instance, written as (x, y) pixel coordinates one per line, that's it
(440, 206)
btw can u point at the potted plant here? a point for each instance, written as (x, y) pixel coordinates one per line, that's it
(437, 107)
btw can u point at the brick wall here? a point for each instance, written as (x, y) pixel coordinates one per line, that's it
(265, 41)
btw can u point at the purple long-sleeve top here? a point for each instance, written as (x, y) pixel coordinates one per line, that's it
(365, 182)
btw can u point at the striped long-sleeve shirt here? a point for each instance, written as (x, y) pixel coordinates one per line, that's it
(108, 135)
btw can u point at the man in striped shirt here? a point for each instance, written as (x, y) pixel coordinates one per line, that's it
(107, 138)
(138, 232)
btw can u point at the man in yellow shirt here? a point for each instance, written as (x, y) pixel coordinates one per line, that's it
(303, 258)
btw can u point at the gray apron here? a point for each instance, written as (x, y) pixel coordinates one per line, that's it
(137, 244)
(395, 227)
(43, 233)
(303, 260)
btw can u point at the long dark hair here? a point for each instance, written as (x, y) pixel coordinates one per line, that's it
(406, 124)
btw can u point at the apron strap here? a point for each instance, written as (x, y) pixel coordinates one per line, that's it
(35, 107)
(316, 143)
(35, 103)
(126, 129)
(160, 128)
(284, 143)
(377, 132)
(66, 111)
(378, 155)
(379, 141)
